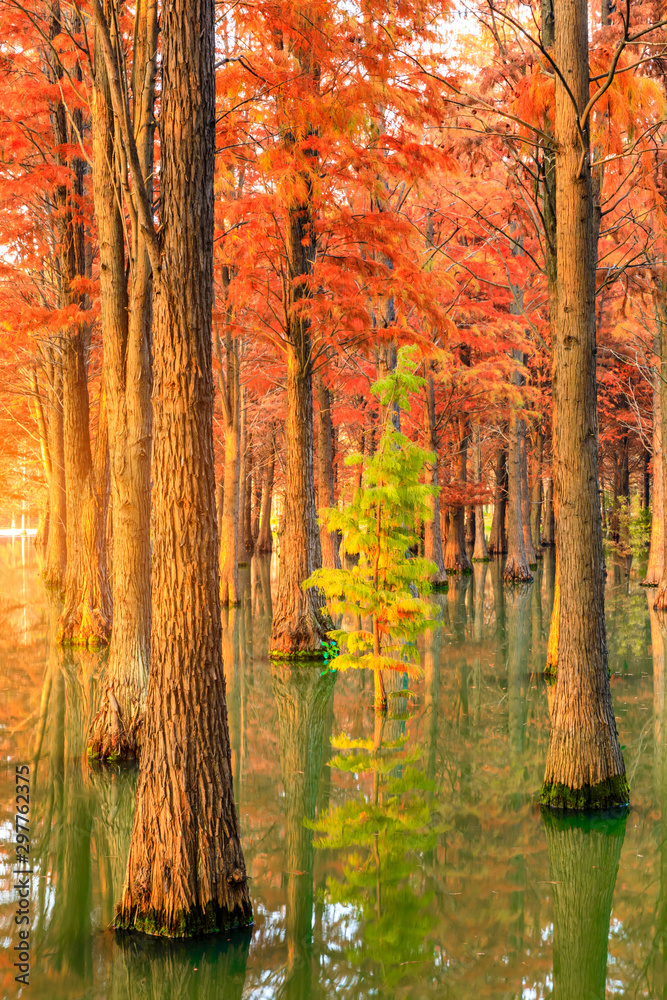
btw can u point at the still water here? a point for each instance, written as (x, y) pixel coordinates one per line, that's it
(406, 858)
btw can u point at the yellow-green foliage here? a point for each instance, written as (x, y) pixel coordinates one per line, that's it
(387, 585)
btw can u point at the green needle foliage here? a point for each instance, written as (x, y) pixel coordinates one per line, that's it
(387, 586)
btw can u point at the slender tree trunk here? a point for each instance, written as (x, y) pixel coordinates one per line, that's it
(657, 549)
(432, 536)
(480, 553)
(128, 377)
(243, 554)
(298, 625)
(525, 498)
(498, 538)
(259, 476)
(456, 557)
(549, 534)
(186, 872)
(230, 394)
(265, 537)
(86, 616)
(516, 568)
(251, 475)
(55, 558)
(329, 540)
(585, 767)
(536, 497)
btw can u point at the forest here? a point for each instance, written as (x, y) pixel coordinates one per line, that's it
(345, 321)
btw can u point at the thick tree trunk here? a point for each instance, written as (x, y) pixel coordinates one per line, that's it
(657, 549)
(480, 552)
(265, 538)
(585, 767)
(432, 536)
(497, 537)
(516, 568)
(126, 337)
(584, 854)
(456, 557)
(186, 872)
(536, 497)
(329, 540)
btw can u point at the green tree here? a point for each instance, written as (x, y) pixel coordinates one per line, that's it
(384, 587)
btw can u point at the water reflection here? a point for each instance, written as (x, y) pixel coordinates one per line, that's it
(403, 857)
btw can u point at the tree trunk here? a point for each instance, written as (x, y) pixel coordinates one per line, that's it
(230, 394)
(432, 536)
(657, 548)
(243, 554)
(259, 475)
(516, 565)
(549, 533)
(536, 496)
(585, 767)
(126, 337)
(525, 498)
(265, 538)
(456, 557)
(329, 540)
(55, 558)
(497, 537)
(251, 475)
(298, 624)
(86, 616)
(186, 872)
(480, 553)
(584, 854)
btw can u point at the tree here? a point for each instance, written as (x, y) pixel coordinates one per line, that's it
(585, 767)
(186, 872)
(379, 527)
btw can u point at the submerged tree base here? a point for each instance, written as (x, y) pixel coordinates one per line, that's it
(111, 739)
(303, 654)
(607, 794)
(87, 627)
(214, 919)
(441, 588)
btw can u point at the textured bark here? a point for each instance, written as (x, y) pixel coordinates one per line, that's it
(584, 854)
(661, 596)
(516, 565)
(585, 767)
(456, 557)
(329, 540)
(536, 496)
(126, 336)
(186, 872)
(265, 538)
(432, 536)
(480, 552)
(497, 537)
(258, 478)
(657, 548)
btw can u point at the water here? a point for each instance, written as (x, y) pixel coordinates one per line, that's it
(403, 859)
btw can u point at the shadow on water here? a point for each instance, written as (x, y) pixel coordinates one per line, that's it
(401, 857)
